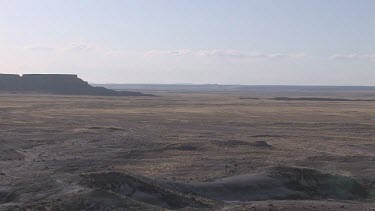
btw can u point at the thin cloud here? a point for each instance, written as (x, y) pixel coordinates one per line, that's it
(79, 47)
(39, 47)
(353, 56)
(72, 47)
(180, 52)
(224, 53)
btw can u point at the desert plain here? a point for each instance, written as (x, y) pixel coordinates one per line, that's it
(188, 151)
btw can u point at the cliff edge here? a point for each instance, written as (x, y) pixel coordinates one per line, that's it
(56, 84)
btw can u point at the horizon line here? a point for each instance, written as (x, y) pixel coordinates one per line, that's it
(216, 84)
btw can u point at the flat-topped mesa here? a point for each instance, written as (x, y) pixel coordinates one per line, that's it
(54, 83)
(9, 82)
(67, 84)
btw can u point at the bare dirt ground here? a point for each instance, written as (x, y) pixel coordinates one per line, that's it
(189, 151)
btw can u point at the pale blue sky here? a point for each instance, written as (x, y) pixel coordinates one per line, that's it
(309, 42)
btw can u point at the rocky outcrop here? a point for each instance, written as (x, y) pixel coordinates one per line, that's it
(56, 84)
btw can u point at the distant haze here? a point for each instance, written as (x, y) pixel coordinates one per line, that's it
(289, 42)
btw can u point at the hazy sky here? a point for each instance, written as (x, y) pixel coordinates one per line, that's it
(311, 42)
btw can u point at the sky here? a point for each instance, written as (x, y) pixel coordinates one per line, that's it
(253, 42)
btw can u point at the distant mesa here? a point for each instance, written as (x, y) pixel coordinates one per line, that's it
(63, 84)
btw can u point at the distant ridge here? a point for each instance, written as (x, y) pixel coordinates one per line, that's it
(239, 88)
(64, 84)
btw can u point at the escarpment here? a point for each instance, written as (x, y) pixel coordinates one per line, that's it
(56, 84)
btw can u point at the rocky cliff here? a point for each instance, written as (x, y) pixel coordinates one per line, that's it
(56, 84)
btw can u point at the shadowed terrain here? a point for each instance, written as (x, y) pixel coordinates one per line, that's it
(56, 84)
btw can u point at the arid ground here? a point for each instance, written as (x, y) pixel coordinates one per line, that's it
(188, 151)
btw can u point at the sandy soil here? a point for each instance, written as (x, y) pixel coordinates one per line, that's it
(172, 151)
